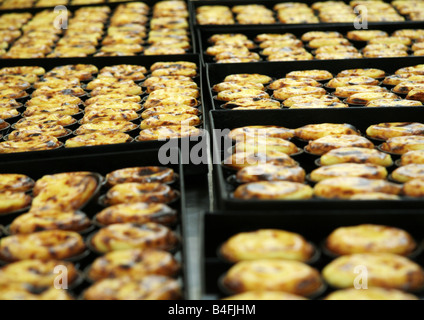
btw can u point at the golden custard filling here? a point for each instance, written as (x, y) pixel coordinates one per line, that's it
(138, 212)
(273, 190)
(356, 155)
(270, 172)
(276, 275)
(385, 270)
(346, 187)
(369, 238)
(322, 145)
(266, 244)
(37, 273)
(130, 236)
(98, 138)
(369, 171)
(141, 174)
(15, 182)
(316, 131)
(44, 245)
(130, 192)
(152, 287)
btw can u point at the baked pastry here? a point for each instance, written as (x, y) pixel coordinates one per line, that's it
(15, 182)
(375, 196)
(385, 131)
(151, 287)
(323, 145)
(131, 236)
(133, 263)
(393, 103)
(170, 120)
(112, 98)
(264, 144)
(83, 72)
(36, 273)
(274, 275)
(408, 172)
(98, 138)
(140, 175)
(124, 72)
(289, 82)
(44, 245)
(168, 132)
(366, 35)
(346, 187)
(370, 238)
(303, 100)
(416, 93)
(316, 131)
(411, 157)
(169, 92)
(174, 101)
(243, 133)
(369, 171)
(229, 95)
(350, 81)
(246, 77)
(384, 270)
(367, 72)
(54, 100)
(170, 65)
(128, 86)
(35, 142)
(11, 201)
(252, 102)
(138, 212)
(403, 144)
(374, 293)
(264, 295)
(364, 98)
(230, 85)
(240, 160)
(273, 190)
(106, 126)
(287, 92)
(270, 172)
(66, 191)
(414, 188)
(173, 110)
(131, 192)
(311, 35)
(63, 120)
(52, 219)
(356, 155)
(20, 291)
(266, 244)
(94, 115)
(319, 75)
(346, 92)
(60, 110)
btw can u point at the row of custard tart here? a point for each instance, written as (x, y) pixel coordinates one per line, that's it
(10, 25)
(297, 12)
(272, 263)
(322, 45)
(350, 166)
(320, 88)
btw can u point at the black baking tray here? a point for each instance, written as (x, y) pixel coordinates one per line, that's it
(100, 62)
(313, 225)
(203, 34)
(112, 6)
(361, 118)
(216, 72)
(270, 4)
(104, 163)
